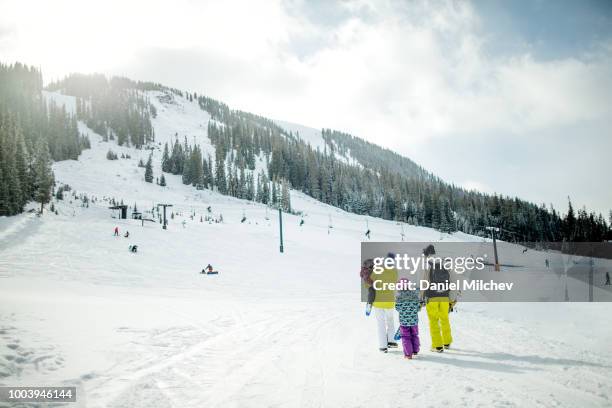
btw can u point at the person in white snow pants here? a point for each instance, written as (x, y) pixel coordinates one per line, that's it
(384, 308)
(385, 322)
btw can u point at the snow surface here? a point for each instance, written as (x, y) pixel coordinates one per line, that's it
(272, 329)
(177, 117)
(307, 134)
(314, 138)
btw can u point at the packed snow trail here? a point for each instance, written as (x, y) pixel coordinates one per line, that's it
(165, 348)
(287, 330)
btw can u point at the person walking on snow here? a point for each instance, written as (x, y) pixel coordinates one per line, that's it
(408, 306)
(366, 278)
(116, 231)
(439, 302)
(383, 306)
(607, 278)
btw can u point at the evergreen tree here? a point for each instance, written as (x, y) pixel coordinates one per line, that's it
(274, 194)
(569, 231)
(43, 175)
(166, 164)
(220, 180)
(149, 169)
(285, 197)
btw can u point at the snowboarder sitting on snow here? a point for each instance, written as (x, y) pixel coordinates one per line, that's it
(208, 270)
(408, 306)
(133, 248)
(439, 303)
(127, 234)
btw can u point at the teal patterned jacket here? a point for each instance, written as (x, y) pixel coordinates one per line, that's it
(407, 305)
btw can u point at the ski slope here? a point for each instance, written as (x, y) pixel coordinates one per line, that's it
(272, 329)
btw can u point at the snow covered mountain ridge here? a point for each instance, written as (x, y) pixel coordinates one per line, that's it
(251, 157)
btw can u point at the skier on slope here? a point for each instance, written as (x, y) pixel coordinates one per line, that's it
(383, 306)
(408, 306)
(116, 231)
(439, 303)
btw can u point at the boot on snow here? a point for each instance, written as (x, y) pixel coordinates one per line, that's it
(383, 350)
(446, 346)
(437, 349)
(392, 344)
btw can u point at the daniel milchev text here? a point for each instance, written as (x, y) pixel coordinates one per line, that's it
(462, 285)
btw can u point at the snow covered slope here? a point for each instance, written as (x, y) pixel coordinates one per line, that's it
(272, 329)
(307, 134)
(177, 117)
(314, 138)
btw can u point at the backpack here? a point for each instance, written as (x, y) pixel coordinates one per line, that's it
(437, 274)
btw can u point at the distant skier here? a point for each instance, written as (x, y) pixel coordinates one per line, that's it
(408, 306)
(127, 234)
(607, 278)
(439, 303)
(301, 222)
(116, 231)
(133, 248)
(547, 263)
(367, 234)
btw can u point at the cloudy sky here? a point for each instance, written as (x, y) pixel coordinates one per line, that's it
(508, 97)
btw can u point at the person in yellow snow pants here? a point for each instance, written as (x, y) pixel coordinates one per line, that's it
(439, 325)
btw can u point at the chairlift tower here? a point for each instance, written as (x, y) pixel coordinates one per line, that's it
(493, 231)
(280, 226)
(164, 225)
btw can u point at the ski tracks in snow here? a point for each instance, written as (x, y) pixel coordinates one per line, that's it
(277, 363)
(299, 354)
